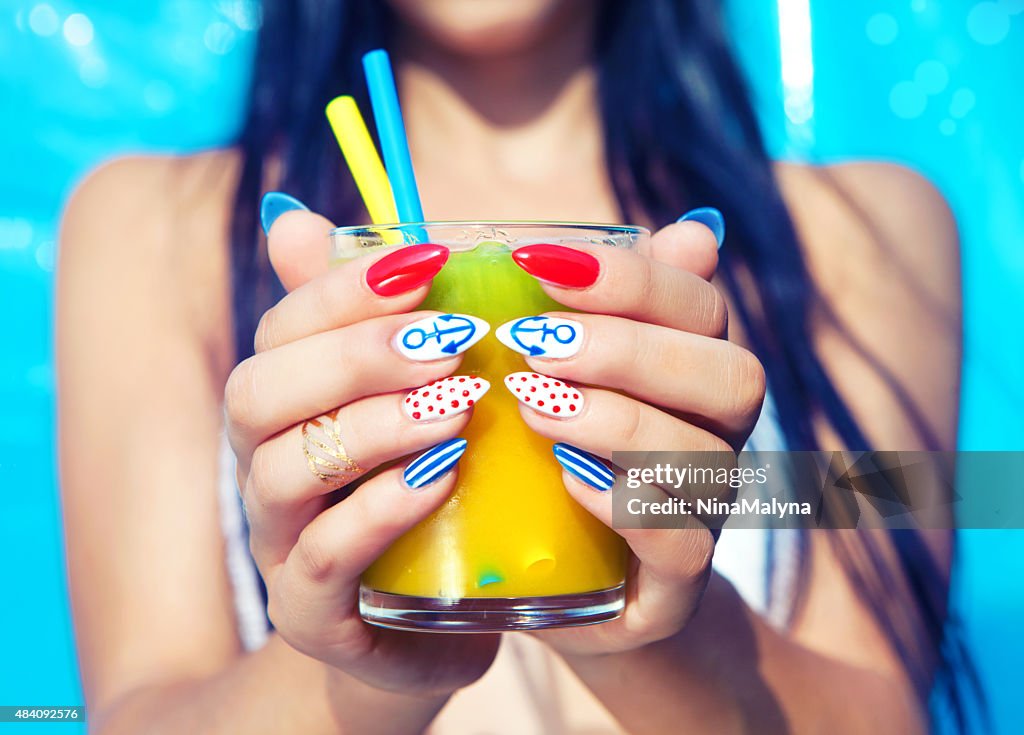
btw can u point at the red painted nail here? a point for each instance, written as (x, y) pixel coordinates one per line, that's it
(558, 264)
(405, 269)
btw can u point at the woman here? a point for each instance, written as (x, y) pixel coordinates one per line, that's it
(842, 281)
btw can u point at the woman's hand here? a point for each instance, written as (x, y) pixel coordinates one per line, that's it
(670, 381)
(327, 378)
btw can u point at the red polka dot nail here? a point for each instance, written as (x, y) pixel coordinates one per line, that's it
(549, 396)
(444, 398)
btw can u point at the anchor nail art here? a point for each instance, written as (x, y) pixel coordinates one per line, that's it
(546, 395)
(440, 337)
(434, 463)
(542, 336)
(444, 398)
(584, 466)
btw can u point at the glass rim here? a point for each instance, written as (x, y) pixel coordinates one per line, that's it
(501, 224)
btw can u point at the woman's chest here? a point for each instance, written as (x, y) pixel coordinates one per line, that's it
(527, 691)
(580, 193)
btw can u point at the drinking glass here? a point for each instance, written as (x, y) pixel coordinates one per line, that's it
(510, 549)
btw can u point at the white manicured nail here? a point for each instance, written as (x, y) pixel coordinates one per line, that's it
(444, 398)
(440, 337)
(542, 336)
(545, 395)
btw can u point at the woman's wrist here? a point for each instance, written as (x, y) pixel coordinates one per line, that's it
(652, 687)
(365, 709)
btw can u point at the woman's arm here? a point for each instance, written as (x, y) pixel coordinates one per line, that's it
(144, 348)
(729, 672)
(893, 287)
(273, 690)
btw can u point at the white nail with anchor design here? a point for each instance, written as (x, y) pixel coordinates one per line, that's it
(440, 337)
(547, 337)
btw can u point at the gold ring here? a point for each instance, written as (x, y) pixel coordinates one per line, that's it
(325, 454)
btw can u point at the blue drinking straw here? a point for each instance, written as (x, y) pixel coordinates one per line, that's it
(391, 130)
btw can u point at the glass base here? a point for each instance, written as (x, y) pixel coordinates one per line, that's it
(489, 614)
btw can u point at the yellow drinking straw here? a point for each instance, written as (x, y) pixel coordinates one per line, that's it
(361, 156)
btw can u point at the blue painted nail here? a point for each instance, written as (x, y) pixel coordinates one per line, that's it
(710, 218)
(275, 204)
(584, 466)
(434, 463)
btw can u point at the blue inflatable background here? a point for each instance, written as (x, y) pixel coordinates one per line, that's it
(935, 84)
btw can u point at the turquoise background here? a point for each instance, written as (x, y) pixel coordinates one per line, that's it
(935, 84)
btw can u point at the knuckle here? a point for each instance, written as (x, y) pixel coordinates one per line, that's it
(285, 620)
(635, 346)
(347, 642)
(621, 361)
(267, 331)
(653, 290)
(313, 556)
(718, 446)
(351, 348)
(240, 393)
(276, 608)
(746, 385)
(367, 423)
(695, 551)
(263, 488)
(683, 556)
(257, 552)
(717, 311)
(325, 299)
(629, 425)
(645, 627)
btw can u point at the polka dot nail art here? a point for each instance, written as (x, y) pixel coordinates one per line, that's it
(444, 398)
(546, 395)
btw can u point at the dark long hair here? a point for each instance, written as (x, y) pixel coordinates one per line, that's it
(679, 132)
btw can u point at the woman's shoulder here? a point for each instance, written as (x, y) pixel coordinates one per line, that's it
(882, 249)
(872, 230)
(154, 194)
(154, 228)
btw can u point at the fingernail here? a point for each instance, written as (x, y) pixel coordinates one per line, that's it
(440, 337)
(274, 204)
(434, 463)
(406, 269)
(710, 218)
(444, 398)
(542, 336)
(546, 395)
(584, 466)
(558, 265)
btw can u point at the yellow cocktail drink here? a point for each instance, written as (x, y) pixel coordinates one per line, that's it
(510, 537)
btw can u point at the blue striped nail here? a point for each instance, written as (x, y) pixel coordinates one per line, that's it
(584, 466)
(710, 218)
(274, 204)
(433, 463)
